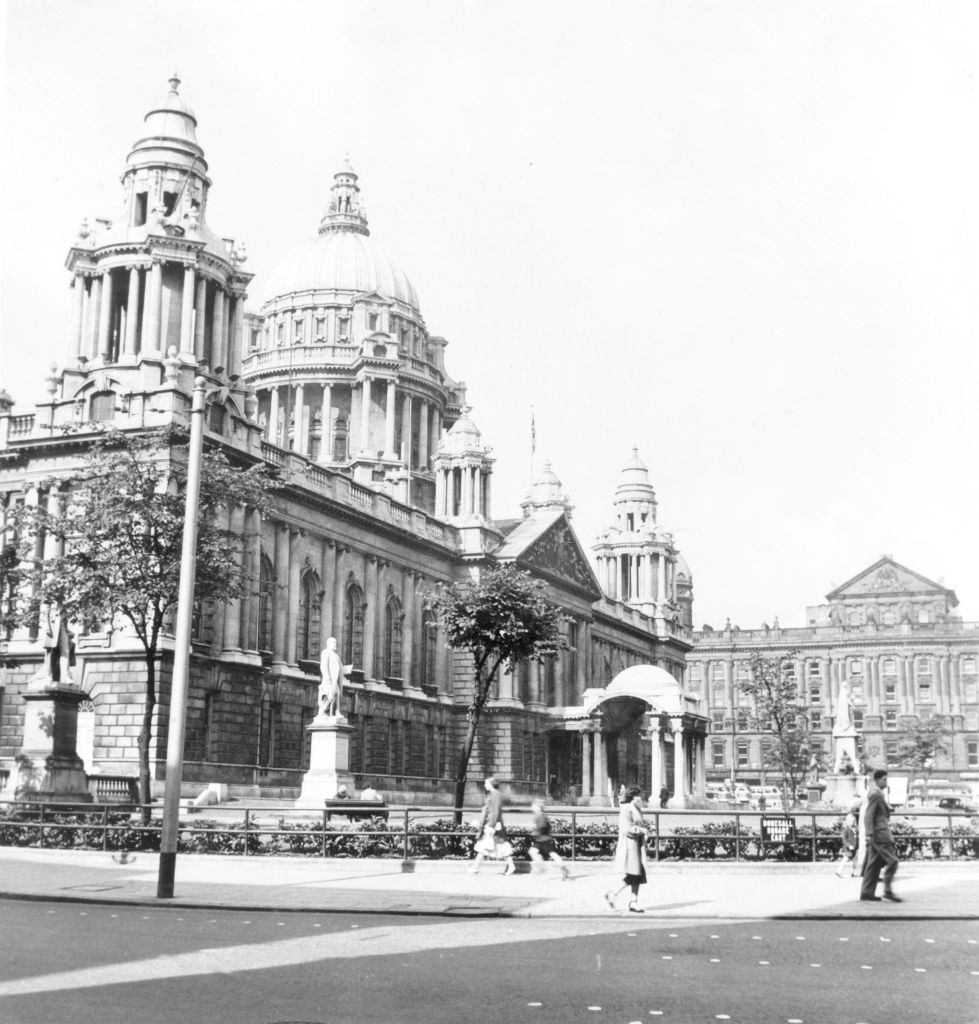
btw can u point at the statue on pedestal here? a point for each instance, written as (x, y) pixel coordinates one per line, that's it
(844, 710)
(57, 645)
(333, 673)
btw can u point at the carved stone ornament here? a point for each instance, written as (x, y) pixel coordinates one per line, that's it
(886, 578)
(559, 553)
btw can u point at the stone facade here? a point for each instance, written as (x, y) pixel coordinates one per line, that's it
(338, 385)
(892, 632)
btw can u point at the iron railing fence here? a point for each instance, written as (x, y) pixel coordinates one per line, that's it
(412, 832)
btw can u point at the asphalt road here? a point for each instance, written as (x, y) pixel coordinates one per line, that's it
(82, 964)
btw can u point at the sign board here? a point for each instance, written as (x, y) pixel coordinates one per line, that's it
(778, 829)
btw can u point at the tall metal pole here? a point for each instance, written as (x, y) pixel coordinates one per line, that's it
(181, 656)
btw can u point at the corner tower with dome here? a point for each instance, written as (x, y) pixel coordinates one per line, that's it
(386, 492)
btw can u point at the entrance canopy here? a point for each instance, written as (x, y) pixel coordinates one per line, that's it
(650, 684)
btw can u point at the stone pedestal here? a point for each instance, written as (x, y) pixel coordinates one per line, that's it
(329, 762)
(51, 769)
(844, 749)
(814, 792)
(842, 789)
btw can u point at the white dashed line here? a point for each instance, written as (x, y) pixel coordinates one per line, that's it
(667, 958)
(794, 1020)
(756, 937)
(722, 1016)
(595, 1008)
(920, 970)
(280, 924)
(882, 939)
(713, 936)
(800, 938)
(974, 972)
(866, 967)
(655, 1013)
(672, 935)
(972, 942)
(83, 913)
(929, 940)
(714, 960)
(843, 938)
(317, 926)
(815, 965)
(764, 963)
(535, 1004)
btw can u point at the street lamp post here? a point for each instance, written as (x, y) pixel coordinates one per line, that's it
(181, 656)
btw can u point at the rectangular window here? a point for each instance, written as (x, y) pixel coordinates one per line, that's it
(969, 665)
(890, 689)
(924, 690)
(280, 333)
(972, 753)
(858, 718)
(854, 666)
(788, 671)
(717, 695)
(888, 667)
(717, 719)
(717, 755)
(744, 671)
(372, 322)
(890, 718)
(922, 665)
(298, 332)
(743, 754)
(209, 702)
(890, 750)
(969, 690)
(887, 617)
(815, 720)
(696, 673)
(343, 328)
(814, 670)
(815, 695)
(320, 328)
(717, 672)
(743, 722)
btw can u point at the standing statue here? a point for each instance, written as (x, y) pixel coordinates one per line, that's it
(844, 712)
(331, 686)
(57, 645)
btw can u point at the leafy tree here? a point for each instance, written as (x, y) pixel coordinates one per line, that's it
(923, 741)
(501, 618)
(9, 581)
(780, 713)
(119, 532)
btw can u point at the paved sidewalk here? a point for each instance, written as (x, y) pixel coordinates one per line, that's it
(676, 889)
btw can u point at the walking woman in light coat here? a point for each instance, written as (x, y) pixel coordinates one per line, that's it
(630, 851)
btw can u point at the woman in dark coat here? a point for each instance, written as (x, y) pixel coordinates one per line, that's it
(630, 851)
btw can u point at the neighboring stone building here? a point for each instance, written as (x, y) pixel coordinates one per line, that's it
(892, 632)
(339, 385)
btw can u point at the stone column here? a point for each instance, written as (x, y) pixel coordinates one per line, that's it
(236, 342)
(77, 314)
(281, 598)
(150, 342)
(599, 768)
(365, 414)
(254, 547)
(295, 566)
(105, 318)
(656, 759)
(487, 500)
(681, 778)
(273, 430)
(585, 765)
(423, 453)
(408, 631)
(200, 317)
(406, 431)
(187, 314)
(435, 433)
(370, 615)
(299, 431)
(326, 425)
(339, 588)
(440, 492)
(232, 614)
(132, 313)
(477, 491)
(94, 309)
(389, 421)
(218, 353)
(467, 491)
(327, 572)
(507, 690)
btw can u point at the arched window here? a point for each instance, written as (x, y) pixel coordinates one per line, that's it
(353, 627)
(266, 589)
(392, 638)
(103, 406)
(430, 629)
(308, 625)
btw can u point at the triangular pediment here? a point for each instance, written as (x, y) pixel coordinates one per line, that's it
(546, 543)
(886, 577)
(378, 298)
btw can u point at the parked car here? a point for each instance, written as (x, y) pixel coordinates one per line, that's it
(956, 803)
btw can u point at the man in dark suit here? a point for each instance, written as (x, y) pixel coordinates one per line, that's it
(880, 843)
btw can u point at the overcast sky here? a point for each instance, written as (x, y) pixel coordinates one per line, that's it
(739, 235)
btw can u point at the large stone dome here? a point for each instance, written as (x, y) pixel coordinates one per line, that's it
(343, 258)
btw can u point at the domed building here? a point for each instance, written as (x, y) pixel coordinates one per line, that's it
(336, 384)
(344, 368)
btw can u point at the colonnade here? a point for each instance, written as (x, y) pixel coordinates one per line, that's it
(121, 312)
(637, 576)
(412, 425)
(463, 489)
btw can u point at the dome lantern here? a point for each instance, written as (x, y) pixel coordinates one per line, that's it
(346, 210)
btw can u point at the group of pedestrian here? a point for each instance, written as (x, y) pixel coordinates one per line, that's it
(869, 818)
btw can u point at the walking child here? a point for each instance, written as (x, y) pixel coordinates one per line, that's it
(850, 841)
(541, 842)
